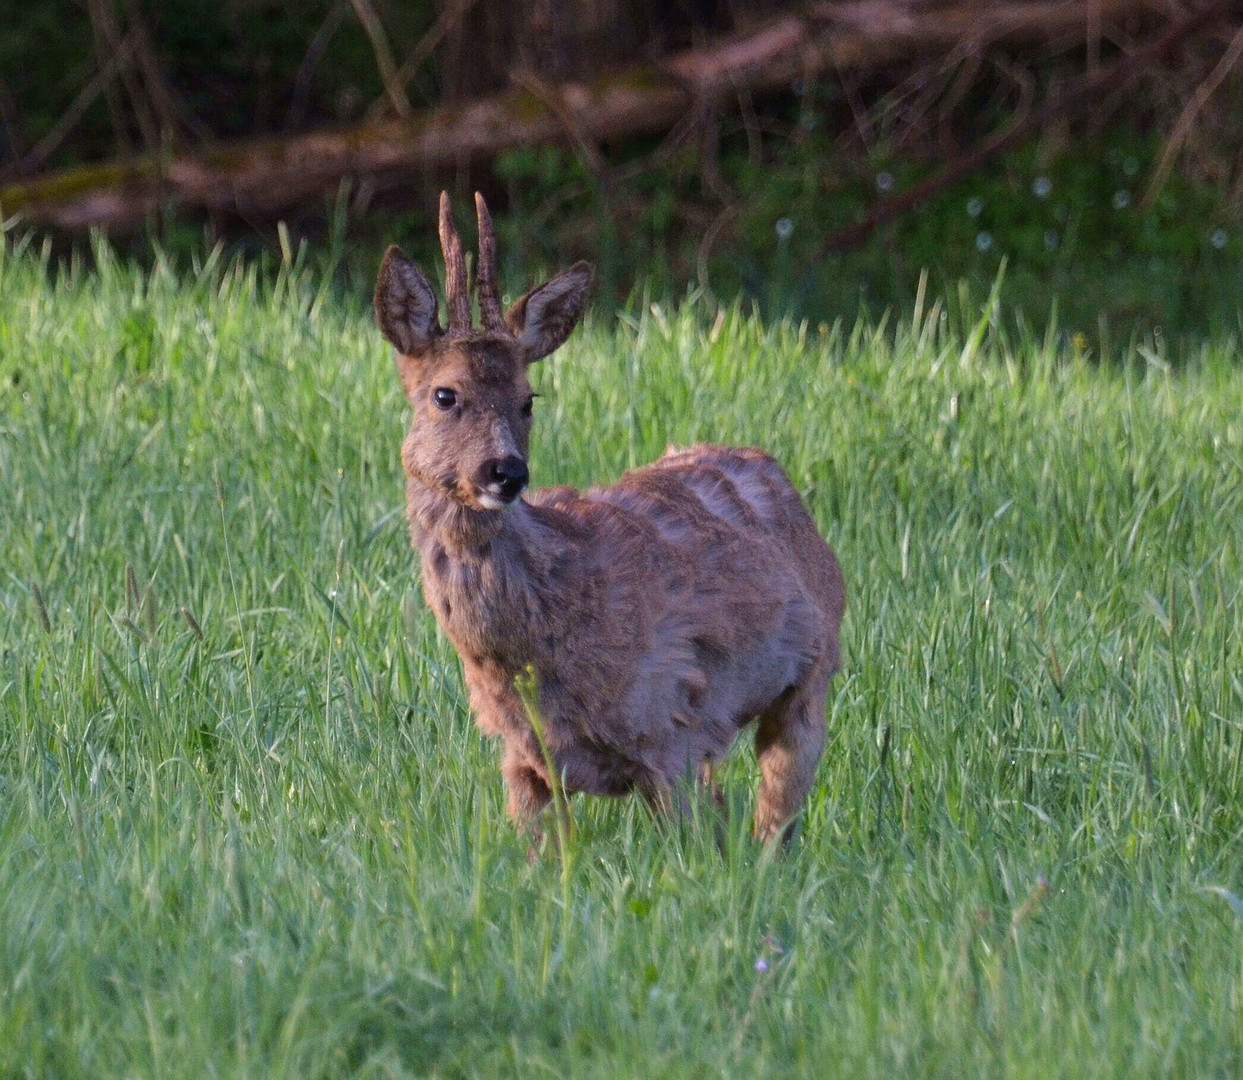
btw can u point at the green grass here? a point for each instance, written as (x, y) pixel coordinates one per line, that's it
(247, 828)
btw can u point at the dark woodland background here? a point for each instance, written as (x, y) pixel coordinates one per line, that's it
(1104, 167)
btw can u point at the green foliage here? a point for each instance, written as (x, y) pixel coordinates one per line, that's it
(59, 35)
(750, 219)
(1068, 224)
(247, 829)
(236, 68)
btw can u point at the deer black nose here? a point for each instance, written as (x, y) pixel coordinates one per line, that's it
(510, 476)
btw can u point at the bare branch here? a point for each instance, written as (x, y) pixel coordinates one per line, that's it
(85, 98)
(445, 22)
(1086, 91)
(310, 61)
(11, 119)
(1182, 125)
(383, 57)
(108, 43)
(112, 93)
(550, 96)
(172, 113)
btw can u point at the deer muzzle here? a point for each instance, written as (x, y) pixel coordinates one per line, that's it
(503, 481)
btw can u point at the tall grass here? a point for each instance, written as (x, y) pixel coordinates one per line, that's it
(247, 829)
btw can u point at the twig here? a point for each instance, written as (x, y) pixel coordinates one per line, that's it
(963, 80)
(1094, 36)
(108, 41)
(709, 239)
(904, 108)
(1022, 80)
(112, 96)
(445, 22)
(1187, 117)
(383, 57)
(168, 107)
(750, 123)
(11, 120)
(1084, 93)
(310, 61)
(552, 99)
(858, 111)
(710, 165)
(85, 98)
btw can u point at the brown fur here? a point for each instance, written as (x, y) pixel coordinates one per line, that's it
(661, 614)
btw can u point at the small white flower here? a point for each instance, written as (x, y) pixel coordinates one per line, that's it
(1041, 187)
(884, 181)
(984, 241)
(1122, 199)
(1218, 239)
(974, 206)
(785, 228)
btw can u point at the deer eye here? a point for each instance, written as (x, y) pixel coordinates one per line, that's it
(529, 404)
(444, 398)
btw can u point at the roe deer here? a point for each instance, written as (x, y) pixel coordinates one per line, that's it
(661, 614)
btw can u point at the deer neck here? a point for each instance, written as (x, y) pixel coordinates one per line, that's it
(442, 526)
(483, 571)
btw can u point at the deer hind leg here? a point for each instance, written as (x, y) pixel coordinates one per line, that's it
(659, 797)
(707, 780)
(670, 802)
(788, 744)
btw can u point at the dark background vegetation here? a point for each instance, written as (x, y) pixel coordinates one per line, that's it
(739, 200)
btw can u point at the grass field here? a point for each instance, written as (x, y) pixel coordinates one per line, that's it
(247, 828)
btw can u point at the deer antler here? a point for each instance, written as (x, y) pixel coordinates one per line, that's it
(485, 278)
(457, 299)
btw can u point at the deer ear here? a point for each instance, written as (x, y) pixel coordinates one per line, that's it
(405, 304)
(544, 318)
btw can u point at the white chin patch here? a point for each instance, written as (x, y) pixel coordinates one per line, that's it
(493, 502)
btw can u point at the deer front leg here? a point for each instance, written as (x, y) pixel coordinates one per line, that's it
(527, 791)
(499, 711)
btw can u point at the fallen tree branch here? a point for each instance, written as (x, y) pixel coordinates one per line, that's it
(1103, 80)
(267, 176)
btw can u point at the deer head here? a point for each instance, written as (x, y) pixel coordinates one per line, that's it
(468, 386)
